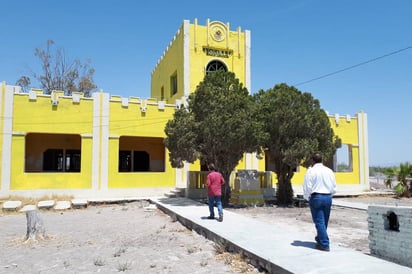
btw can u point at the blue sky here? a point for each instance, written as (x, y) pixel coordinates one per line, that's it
(292, 42)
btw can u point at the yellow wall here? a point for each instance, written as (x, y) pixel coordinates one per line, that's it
(131, 121)
(39, 116)
(171, 62)
(200, 38)
(102, 121)
(348, 132)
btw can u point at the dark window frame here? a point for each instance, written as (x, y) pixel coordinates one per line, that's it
(134, 161)
(215, 65)
(61, 160)
(173, 84)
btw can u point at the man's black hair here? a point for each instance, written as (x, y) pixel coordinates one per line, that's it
(317, 157)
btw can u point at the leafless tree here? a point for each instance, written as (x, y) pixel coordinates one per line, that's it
(58, 72)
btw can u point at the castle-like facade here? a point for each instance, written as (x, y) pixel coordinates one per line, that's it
(108, 146)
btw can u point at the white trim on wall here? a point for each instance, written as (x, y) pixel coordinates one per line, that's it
(104, 146)
(248, 80)
(186, 58)
(6, 109)
(363, 150)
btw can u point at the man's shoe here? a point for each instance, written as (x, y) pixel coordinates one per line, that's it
(220, 218)
(317, 240)
(319, 247)
(211, 217)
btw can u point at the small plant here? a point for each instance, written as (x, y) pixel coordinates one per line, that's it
(191, 250)
(220, 248)
(66, 264)
(119, 252)
(99, 262)
(121, 267)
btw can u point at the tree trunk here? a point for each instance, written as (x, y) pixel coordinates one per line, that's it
(284, 193)
(226, 191)
(35, 226)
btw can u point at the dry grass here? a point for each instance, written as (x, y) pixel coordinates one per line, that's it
(237, 262)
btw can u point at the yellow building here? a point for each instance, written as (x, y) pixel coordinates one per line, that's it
(109, 146)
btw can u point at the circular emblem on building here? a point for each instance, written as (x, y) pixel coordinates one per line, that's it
(218, 32)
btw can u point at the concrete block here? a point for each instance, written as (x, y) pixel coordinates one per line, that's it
(247, 180)
(78, 203)
(11, 205)
(28, 208)
(245, 184)
(46, 204)
(386, 239)
(62, 205)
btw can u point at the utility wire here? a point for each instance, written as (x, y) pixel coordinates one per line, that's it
(354, 66)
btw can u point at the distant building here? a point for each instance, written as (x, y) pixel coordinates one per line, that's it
(108, 146)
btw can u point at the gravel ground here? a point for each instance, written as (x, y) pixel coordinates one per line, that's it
(347, 227)
(132, 238)
(137, 238)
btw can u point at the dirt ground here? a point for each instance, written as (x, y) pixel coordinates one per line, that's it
(137, 238)
(132, 238)
(347, 227)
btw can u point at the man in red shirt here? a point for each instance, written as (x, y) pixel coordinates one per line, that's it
(214, 184)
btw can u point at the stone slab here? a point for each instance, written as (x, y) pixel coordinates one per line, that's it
(79, 203)
(46, 204)
(62, 205)
(28, 208)
(11, 205)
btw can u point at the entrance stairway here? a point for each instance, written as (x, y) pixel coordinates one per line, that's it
(176, 192)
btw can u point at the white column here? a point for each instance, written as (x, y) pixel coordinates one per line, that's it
(100, 141)
(104, 147)
(6, 111)
(247, 83)
(363, 150)
(186, 58)
(248, 161)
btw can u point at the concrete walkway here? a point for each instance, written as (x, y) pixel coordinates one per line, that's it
(274, 249)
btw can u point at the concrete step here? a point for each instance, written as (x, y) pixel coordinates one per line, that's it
(176, 192)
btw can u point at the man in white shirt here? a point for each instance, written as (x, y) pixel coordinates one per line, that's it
(318, 188)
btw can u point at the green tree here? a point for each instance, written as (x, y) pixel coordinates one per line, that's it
(217, 126)
(296, 127)
(403, 175)
(60, 73)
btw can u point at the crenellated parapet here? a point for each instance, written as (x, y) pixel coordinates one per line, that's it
(56, 96)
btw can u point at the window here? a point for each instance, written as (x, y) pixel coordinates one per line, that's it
(215, 66)
(72, 163)
(52, 152)
(60, 160)
(141, 154)
(162, 93)
(53, 160)
(173, 84)
(125, 161)
(139, 162)
(343, 159)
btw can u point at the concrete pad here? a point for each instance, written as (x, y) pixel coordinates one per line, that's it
(77, 203)
(270, 246)
(28, 208)
(62, 205)
(46, 204)
(11, 205)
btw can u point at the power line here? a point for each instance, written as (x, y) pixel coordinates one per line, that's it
(354, 66)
